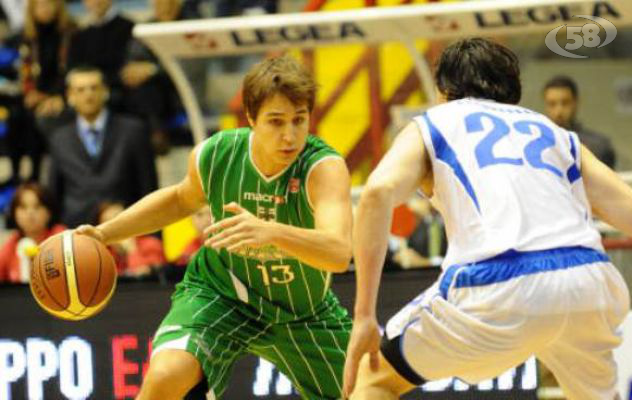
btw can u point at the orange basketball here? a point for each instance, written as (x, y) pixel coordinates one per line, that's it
(73, 276)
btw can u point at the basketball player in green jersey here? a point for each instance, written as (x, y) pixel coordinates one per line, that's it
(281, 207)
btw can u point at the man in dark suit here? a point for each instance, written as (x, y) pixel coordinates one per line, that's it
(561, 99)
(100, 155)
(103, 43)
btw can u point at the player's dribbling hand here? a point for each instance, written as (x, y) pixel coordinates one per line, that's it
(91, 231)
(365, 338)
(239, 231)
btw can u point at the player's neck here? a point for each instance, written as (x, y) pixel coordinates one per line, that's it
(263, 164)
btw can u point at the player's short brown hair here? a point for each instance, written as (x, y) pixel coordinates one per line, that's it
(283, 75)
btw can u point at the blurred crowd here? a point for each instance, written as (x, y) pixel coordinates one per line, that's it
(80, 91)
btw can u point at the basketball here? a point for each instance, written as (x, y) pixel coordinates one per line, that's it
(73, 276)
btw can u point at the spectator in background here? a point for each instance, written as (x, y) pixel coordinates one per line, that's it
(201, 220)
(43, 48)
(47, 31)
(100, 155)
(103, 44)
(560, 101)
(149, 90)
(32, 214)
(135, 256)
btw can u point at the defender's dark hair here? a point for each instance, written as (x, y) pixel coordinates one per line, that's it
(479, 68)
(562, 81)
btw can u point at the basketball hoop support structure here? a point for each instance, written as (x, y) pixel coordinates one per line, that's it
(171, 41)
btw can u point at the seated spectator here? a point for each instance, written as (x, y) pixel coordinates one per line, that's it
(32, 215)
(135, 256)
(201, 220)
(99, 155)
(149, 90)
(103, 44)
(560, 101)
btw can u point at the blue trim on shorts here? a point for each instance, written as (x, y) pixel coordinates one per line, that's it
(512, 264)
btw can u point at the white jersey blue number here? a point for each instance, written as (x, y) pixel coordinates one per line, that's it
(506, 178)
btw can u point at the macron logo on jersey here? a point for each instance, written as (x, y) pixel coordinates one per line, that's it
(264, 198)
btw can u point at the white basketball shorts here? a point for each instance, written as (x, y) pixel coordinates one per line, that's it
(478, 320)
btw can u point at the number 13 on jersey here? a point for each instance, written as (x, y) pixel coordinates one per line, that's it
(278, 274)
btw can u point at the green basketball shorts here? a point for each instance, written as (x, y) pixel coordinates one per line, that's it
(214, 328)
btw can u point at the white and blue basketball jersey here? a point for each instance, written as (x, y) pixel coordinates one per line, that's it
(525, 272)
(505, 178)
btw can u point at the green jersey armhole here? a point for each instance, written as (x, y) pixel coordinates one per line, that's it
(201, 150)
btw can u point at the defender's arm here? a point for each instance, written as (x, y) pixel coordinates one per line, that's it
(609, 197)
(394, 180)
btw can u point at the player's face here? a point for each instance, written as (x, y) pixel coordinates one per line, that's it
(31, 215)
(87, 93)
(281, 129)
(560, 105)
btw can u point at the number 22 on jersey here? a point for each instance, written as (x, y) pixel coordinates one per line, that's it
(532, 152)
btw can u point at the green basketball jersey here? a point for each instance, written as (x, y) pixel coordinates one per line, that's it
(279, 288)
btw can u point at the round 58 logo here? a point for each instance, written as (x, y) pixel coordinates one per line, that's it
(581, 36)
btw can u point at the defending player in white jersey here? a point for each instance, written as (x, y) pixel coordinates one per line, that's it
(525, 273)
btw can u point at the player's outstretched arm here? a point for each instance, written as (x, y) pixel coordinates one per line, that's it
(609, 197)
(395, 179)
(326, 247)
(154, 211)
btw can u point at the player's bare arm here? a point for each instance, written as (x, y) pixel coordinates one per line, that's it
(609, 197)
(155, 210)
(395, 179)
(327, 247)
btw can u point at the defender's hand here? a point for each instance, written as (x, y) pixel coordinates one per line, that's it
(365, 338)
(91, 231)
(239, 231)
